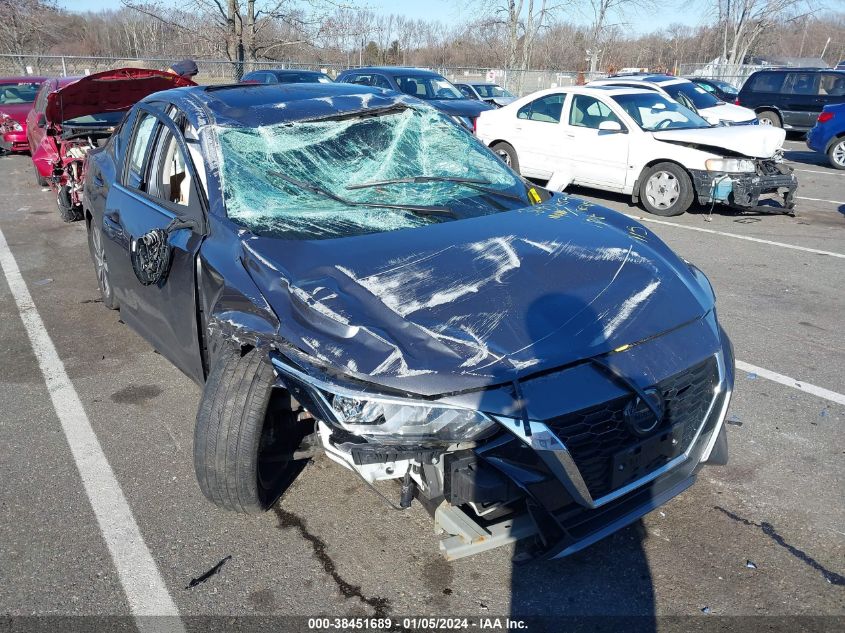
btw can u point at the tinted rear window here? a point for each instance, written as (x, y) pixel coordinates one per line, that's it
(766, 82)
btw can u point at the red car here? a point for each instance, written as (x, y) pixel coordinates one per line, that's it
(73, 115)
(16, 97)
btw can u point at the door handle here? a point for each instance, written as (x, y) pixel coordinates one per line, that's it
(113, 217)
(98, 180)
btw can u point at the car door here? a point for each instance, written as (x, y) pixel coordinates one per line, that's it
(158, 190)
(34, 131)
(537, 136)
(800, 94)
(831, 90)
(599, 158)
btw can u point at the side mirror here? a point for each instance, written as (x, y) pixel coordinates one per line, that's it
(610, 126)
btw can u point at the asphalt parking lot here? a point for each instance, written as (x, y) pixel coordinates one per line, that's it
(764, 535)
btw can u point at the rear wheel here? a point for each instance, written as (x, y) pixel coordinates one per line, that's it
(836, 153)
(666, 189)
(768, 117)
(507, 153)
(101, 266)
(246, 435)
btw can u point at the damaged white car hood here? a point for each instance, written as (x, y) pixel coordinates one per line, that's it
(755, 141)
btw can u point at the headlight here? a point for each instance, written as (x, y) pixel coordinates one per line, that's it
(730, 165)
(391, 420)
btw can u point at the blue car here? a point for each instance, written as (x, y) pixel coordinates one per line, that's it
(347, 270)
(828, 135)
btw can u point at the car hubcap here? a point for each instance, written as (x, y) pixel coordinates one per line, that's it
(506, 158)
(663, 190)
(765, 121)
(100, 263)
(838, 153)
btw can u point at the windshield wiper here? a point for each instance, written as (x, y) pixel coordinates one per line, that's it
(412, 208)
(472, 183)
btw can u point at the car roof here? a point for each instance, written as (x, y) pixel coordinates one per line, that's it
(22, 80)
(255, 105)
(653, 79)
(288, 71)
(594, 90)
(393, 70)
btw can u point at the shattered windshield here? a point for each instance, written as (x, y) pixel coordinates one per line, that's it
(328, 178)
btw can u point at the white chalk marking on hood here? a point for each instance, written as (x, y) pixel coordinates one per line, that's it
(628, 306)
(395, 364)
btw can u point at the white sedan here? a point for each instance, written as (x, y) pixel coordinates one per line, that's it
(637, 142)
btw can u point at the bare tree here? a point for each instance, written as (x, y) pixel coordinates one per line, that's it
(27, 25)
(746, 21)
(601, 12)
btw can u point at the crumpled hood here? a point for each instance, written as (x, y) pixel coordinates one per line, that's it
(460, 107)
(108, 91)
(462, 305)
(756, 141)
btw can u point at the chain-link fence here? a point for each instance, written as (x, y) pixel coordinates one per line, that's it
(217, 71)
(734, 74)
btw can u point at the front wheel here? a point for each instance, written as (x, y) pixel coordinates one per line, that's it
(836, 153)
(666, 190)
(246, 435)
(507, 153)
(40, 180)
(767, 117)
(68, 211)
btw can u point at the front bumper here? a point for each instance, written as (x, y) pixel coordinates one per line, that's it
(14, 141)
(744, 190)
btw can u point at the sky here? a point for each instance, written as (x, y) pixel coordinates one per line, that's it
(676, 11)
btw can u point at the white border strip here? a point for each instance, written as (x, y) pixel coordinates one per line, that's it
(142, 583)
(737, 236)
(821, 392)
(819, 200)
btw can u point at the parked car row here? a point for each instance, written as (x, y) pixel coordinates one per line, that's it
(348, 269)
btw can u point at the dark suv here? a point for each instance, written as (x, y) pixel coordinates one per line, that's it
(423, 84)
(792, 98)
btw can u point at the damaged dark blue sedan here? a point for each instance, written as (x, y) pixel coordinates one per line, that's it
(347, 270)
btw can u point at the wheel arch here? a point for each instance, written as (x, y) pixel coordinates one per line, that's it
(635, 194)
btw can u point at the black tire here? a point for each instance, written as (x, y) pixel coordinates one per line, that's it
(67, 210)
(507, 153)
(836, 153)
(101, 267)
(666, 190)
(39, 179)
(769, 117)
(245, 435)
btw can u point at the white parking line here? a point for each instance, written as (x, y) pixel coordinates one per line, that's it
(820, 200)
(815, 171)
(142, 583)
(736, 236)
(821, 392)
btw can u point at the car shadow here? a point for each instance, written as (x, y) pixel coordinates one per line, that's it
(612, 578)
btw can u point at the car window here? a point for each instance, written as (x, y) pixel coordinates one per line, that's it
(145, 129)
(361, 80)
(170, 180)
(465, 91)
(832, 84)
(801, 83)
(767, 82)
(381, 82)
(589, 112)
(695, 94)
(428, 87)
(706, 87)
(41, 99)
(545, 109)
(18, 92)
(654, 112)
